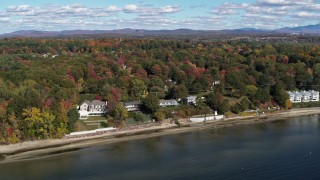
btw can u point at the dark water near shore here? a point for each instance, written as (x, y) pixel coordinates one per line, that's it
(273, 150)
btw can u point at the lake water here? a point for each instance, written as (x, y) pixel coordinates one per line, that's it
(273, 150)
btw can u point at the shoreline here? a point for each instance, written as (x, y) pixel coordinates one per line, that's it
(43, 148)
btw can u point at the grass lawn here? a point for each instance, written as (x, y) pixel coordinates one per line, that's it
(137, 118)
(93, 122)
(233, 101)
(207, 115)
(95, 118)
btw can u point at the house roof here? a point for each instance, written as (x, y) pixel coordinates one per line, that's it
(85, 102)
(132, 103)
(97, 102)
(94, 102)
(191, 97)
(168, 101)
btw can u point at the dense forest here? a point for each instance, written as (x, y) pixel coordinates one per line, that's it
(43, 80)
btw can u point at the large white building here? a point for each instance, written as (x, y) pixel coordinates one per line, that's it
(303, 96)
(93, 108)
(168, 103)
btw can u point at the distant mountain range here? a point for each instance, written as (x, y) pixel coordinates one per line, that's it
(310, 29)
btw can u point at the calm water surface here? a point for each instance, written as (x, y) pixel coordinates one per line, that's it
(273, 150)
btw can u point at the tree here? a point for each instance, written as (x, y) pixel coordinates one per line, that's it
(288, 104)
(73, 117)
(179, 91)
(214, 100)
(217, 102)
(281, 97)
(244, 104)
(39, 124)
(316, 70)
(119, 114)
(150, 103)
(236, 108)
(137, 88)
(237, 79)
(159, 116)
(224, 107)
(263, 95)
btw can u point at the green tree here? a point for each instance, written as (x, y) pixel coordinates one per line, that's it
(179, 91)
(39, 124)
(137, 88)
(236, 108)
(73, 117)
(224, 107)
(244, 104)
(263, 95)
(159, 116)
(119, 114)
(150, 103)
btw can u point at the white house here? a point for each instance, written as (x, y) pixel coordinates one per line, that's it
(291, 96)
(93, 108)
(303, 96)
(314, 95)
(167, 103)
(191, 100)
(132, 105)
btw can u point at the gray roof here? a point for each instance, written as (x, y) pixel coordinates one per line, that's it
(94, 102)
(132, 103)
(168, 101)
(191, 97)
(97, 102)
(87, 102)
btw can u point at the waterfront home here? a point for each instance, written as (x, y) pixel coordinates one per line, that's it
(167, 103)
(191, 100)
(295, 96)
(303, 96)
(291, 95)
(314, 95)
(93, 108)
(132, 105)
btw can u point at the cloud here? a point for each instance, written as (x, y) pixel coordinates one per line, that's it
(4, 19)
(21, 8)
(113, 9)
(258, 14)
(150, 10)
(130, 8)
(285, 2)
(169, 9)
(306, 15)
(224, 12)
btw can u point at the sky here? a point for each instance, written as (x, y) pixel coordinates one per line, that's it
(57, 15)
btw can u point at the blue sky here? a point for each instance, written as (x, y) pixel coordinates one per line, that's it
(56, 15)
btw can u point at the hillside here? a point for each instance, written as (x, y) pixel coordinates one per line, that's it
(42, 80)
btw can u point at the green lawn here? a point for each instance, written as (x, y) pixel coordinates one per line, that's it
(207, 115)
(93, 122)
(137, 117)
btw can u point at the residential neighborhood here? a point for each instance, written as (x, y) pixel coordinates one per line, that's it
(303, 96)
(98, 108)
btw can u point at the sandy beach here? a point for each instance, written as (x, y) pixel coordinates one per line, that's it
(42, 148)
